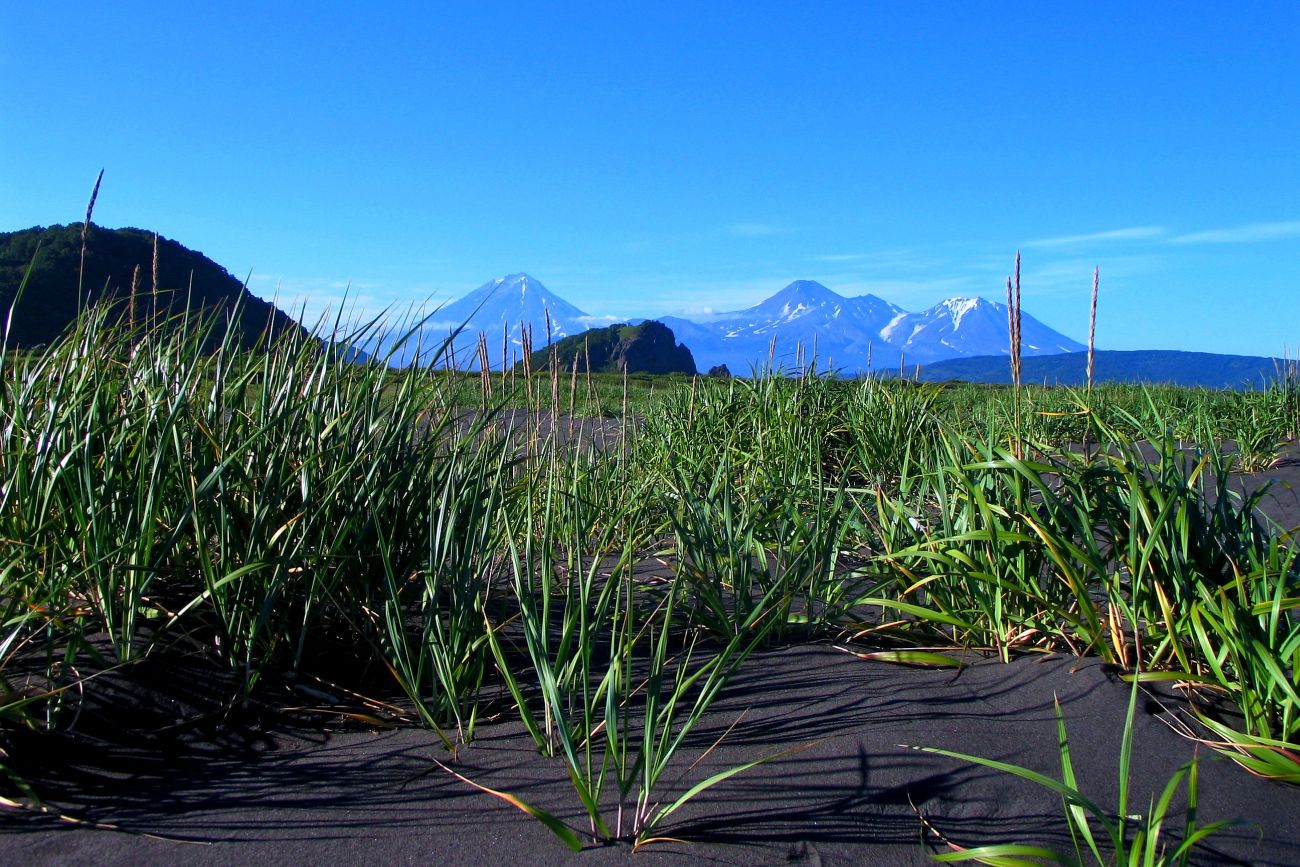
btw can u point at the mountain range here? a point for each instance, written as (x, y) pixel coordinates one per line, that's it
(852, 335)
(805, 319)
(856, 335)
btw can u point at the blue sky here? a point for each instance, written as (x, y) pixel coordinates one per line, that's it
(651, 158)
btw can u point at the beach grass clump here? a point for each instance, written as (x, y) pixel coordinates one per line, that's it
(605, 680)
(1247, 641)
(1259, 427)
(91, 495)
(999, 553)
(162, 485)
(1100, 835)
(430, 617)
(891, 422)
(1142, 554)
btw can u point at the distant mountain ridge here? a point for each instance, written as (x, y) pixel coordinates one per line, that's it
(1156, 366)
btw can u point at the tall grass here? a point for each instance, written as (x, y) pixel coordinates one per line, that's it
(252, 501)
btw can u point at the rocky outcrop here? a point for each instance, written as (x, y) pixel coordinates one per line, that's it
(649, 347)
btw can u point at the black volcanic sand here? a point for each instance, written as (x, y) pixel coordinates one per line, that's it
(1280, 502)
(274, 790)
(342, 798)
(525, 428)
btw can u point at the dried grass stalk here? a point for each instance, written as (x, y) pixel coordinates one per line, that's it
(1092, 325)
(85, 232)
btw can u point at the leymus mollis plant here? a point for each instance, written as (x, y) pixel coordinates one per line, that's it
(1092, 326)
(1092, 345)
(1013, 328)
(85, 233)
(1110, 836)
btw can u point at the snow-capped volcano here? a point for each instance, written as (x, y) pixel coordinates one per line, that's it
(510, 300)
(801, 298)
(501, 309)
(971, 326)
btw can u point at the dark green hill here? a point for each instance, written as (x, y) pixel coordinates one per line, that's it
(186, 280)
(1191, 369)
(649, 347)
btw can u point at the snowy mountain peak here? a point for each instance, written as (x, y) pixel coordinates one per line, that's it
(809, 293)
(797, 300)
(513, 291)
(512, 282)
(957, 308)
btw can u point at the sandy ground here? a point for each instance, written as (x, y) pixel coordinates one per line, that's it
(853, 795)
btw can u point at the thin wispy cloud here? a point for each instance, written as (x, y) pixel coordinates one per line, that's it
(843, 257)
(1252, 233)
(1065, 276)
(315, 301)
(695, 297)
(755, 230)
(894, 258)
(700, 310)
(1131, 233)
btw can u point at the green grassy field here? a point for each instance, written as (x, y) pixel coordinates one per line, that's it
(283, 508)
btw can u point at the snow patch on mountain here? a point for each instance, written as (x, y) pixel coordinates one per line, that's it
(959, 307)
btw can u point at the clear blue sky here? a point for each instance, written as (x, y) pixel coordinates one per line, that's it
(649, 158)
